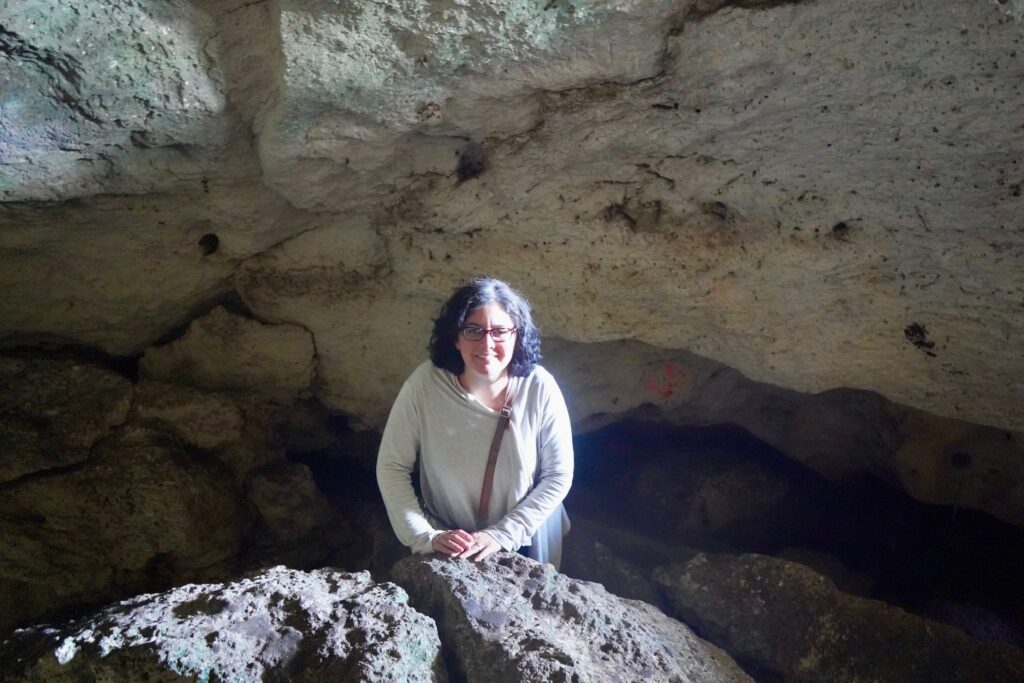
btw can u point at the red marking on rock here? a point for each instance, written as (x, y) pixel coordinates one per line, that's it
(663, 384)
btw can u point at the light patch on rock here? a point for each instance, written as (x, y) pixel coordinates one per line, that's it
(201, 418)
(1015, 8)
(66, 651)
(324, 625)
(104, 97)
(222, 350)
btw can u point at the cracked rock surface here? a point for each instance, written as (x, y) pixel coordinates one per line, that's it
(280, 624)
(225, 351)
(111, 489)
(103, 96)
(53, 411)
(512, 619)
(816, 194)
(785, 618)
(138, 508)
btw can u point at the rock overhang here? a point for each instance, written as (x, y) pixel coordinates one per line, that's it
(817, 197)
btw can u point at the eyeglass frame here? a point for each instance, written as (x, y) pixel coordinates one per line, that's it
(484, 331)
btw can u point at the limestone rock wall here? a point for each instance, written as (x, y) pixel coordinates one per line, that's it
(138, 508)
(331, 625)
(105, 98)
(513, 619)
(111, 488)
(839, 433)
(816, 196)
(790, 620)
(52, 413)
(225, 351)
(773, 191)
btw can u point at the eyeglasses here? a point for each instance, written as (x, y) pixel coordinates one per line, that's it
(475, 333)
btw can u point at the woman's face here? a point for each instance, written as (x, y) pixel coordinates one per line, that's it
(487, 358)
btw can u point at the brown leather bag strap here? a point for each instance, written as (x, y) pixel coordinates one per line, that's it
(504, 417)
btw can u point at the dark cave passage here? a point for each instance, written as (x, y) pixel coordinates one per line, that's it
(955, 565)
(650, 492)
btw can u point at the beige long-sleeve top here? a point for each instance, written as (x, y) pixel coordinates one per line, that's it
(439, 421)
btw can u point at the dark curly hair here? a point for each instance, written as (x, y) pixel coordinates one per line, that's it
(466, 299)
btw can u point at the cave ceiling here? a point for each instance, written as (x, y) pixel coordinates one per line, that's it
(818, 194)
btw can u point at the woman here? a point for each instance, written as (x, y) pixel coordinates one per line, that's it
(483, 355)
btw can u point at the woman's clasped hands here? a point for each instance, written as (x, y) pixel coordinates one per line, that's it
(459, 543)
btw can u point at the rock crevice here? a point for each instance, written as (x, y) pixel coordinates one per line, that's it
(508, 619)
(512, 619)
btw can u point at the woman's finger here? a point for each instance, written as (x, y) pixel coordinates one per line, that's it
(463, 536)
(455, 542)
(484, 545)
(446, 544)
(486, 551)
(471, 551)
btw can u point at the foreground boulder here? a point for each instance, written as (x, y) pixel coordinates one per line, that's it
(783, 617)
(279, 625)
(512, 619)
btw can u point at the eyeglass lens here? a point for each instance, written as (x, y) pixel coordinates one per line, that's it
(473, 333)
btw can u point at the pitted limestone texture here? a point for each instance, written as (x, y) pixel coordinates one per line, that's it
(52, 412)
(373, 91)
(140, 510)
(642, 172)
(107, 97)
(203, 419)
(787, 619)
(510, 619)
(223, 350)
(280, 624)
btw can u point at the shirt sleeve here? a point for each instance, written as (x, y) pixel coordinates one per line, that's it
(395, 462)
(554, 475)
